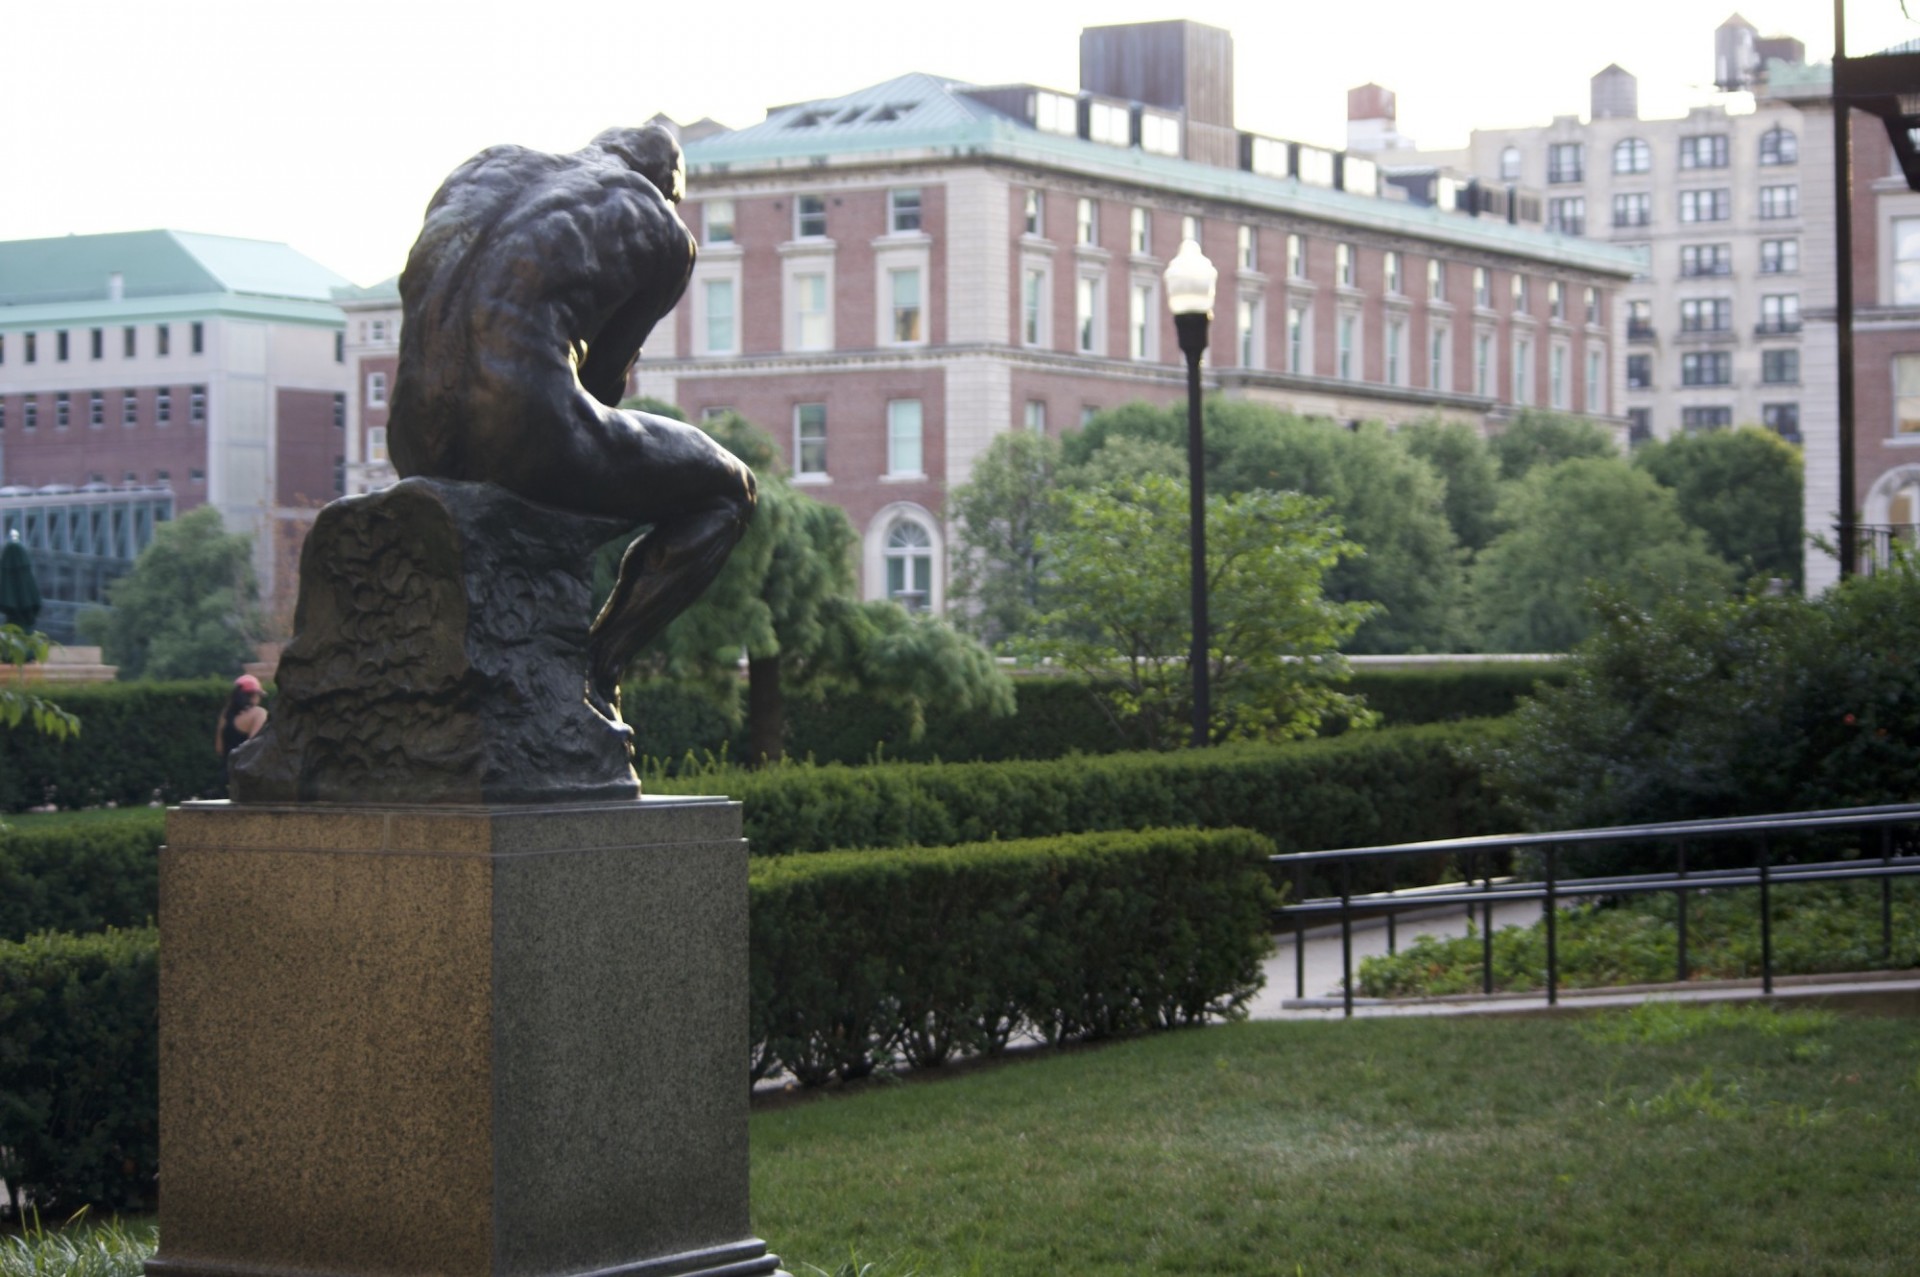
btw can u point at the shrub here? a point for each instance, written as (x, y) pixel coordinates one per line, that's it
(79, 1068)
(1407, 696)
(79, 879)
(932, 953)
(138, 741)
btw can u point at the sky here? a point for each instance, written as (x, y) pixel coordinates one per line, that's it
(329, 125)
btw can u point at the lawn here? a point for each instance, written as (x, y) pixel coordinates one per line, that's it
(29, 820)
(1666, 1140)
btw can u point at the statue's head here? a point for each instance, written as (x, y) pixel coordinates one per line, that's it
(651, 152)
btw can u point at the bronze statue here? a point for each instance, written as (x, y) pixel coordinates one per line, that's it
(525, 303)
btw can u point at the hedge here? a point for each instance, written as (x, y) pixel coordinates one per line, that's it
(79, 1069)
(926, 954)
(79, 878)
(1361, 788)
(137, 742)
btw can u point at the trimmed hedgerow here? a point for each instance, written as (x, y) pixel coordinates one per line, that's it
(79, 1068)
(1362, 788)
(79, 878)
(137, 742)
(925, 954)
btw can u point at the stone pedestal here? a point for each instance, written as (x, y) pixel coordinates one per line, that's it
(461, 1040)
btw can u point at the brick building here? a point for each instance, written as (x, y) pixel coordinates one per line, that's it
(890, 278)
(372, 349)
(208, 365)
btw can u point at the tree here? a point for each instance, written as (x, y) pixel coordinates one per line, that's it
(1581, 521)
(1741, 488)
(17, 705)
(1387, 500)
(187, 607)
(788, 600)
(1535, 439)
(1118, 596)
(1467, 466)
(999, 515)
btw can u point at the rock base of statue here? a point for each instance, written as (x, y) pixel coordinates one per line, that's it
(440, 656)
(408, 1041)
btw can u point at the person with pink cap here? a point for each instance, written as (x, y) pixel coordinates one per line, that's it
(242, 718)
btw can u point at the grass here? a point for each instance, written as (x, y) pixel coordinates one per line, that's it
(1662, 1140)
(91, 816)
(81, 1248)
(1817, 928)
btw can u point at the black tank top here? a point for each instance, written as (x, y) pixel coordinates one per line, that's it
(231, 738)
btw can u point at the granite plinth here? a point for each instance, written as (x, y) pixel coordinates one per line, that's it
(466, 1040)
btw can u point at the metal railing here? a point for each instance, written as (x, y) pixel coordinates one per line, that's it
(1550, 890)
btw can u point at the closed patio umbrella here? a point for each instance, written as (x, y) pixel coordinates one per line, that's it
(19, 595)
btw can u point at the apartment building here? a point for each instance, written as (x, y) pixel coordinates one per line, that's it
(372, 352)
(1714, 202)
(890, 278)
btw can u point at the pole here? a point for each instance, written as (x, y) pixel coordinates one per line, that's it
(1193, 341)
(1843, 287)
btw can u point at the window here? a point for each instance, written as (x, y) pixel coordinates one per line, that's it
(1482, 288)
(1706, 259)
(1779, 201)
(1032, 213)
(1510, 164)
(339, 407)
(1906, 396)
(376, 390)
(1522, 370)
(197, 475)
(1296, 257)
(1391, 269)
(810, 311)
(60, 346)
(809, 216)
(1567, 215)
(96, 410)
(1056, 113)
(1109, 124)
(339, 346)
(1557, 377)
(1633, 209)
(1086, 296)
(1085, 222)
(1343, 266)
(129, 342)
(162, 339)
(1782, 256)
(1189, 228)
(1437, 358)
(1138, 230)
(1706, 418)
(1297, 339)
(1159, 134)
(718, 218)
(1566, 162)
(1706, 368)
(1037, 416)
(163, 406)
(1396, 344)
(1639, 319)
(96, 343)
(1706, 206)
(903, 437)
(1780, 313)
(1632, 155)
(1436, 280)
(1704, 151)
(1780, 367)
(1245, 247)
(721, 336)
(1033, 291)
(903, 210)
(1483, 364)
(1779, 146)
(810, 439)
(377, 331)
(1344, 350)
(1139, 320)
(30, 413)
(1639, 425)
(129, 408)
(3, 348)
(1519, 290)
(1247, 314)
(1639, 372)
(33, 347)
(1557, 299)
(1594, 363)
(714, 412)
(1706, 315)
(62, 410)
(1593, 304)
(377, 445)
(197, 337)
(910, 566)
(1782, 418)
(906, 305)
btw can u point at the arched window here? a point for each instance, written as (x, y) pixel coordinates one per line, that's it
(1778, 145)
(1632, 155)
(910, 566)
(1510, 164)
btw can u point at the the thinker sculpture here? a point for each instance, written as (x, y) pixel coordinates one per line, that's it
(443, 651)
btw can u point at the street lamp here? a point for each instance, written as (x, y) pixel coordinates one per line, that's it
(1190, 279)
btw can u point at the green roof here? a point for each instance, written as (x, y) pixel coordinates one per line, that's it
(905, 106)
(157, 264)
(386, 292)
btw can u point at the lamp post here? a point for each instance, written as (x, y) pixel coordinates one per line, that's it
(1190, 278)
